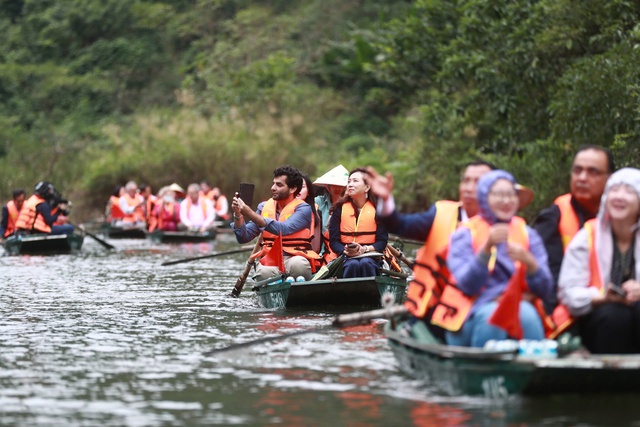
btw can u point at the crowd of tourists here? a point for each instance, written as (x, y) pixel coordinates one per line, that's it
(482, 274)
(171, 209)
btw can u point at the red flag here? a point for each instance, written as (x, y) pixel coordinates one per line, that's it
(507, 313)
(274, 257)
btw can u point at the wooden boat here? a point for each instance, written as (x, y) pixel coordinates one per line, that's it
(160, 236)
(498, 374)
(123, 232)
(362, 291)
(42, 244)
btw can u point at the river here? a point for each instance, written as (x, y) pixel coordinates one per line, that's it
(102, 338)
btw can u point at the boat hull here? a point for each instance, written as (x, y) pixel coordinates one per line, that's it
(364, 291)
(181, 236)
(459, 371)
(123, 232)
(43, 244)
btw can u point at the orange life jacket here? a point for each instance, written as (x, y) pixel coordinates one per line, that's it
(138, 213)
(218, 205)
(298, 243)
(454, 306)
(361, 230)
(13, 211)
(561, 316)
(30, 219)
(114, 209)
(430, 258)
(150, 207)
(569, 222)
(201, 202)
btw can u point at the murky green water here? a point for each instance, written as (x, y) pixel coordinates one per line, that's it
(115, 339)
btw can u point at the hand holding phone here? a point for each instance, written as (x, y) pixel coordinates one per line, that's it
(352, 245)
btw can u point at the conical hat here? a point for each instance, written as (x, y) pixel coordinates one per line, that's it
(336, 176)
(525, 195)
(175, 187)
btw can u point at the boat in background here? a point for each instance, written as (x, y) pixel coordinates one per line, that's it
(362, 291)
(113, 232)
(42, 244)
(457, 371)
(160, 236)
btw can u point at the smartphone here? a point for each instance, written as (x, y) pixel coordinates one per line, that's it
(618, 290)
(352, 245)
(246, 193)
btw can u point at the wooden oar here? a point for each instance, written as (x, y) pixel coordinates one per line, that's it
(93, 236)
(397, 238)
(235, 251)
(340, 321)
(398, 254)
(237, 288)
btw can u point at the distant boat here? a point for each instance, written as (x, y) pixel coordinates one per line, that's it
(361, 291)
(459, 371)
(42, 244)
(113, 232)
(160, 236)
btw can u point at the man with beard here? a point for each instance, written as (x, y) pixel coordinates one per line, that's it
(282, 217)
(557, 224)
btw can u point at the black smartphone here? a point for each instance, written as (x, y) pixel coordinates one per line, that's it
(246, 193)
(352, 245)
(618, 290)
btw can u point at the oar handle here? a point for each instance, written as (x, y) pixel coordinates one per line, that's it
(362, 318)
(237, 288)
(94, 237)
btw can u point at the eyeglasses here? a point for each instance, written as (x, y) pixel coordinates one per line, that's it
(503, 196)
(591, 172)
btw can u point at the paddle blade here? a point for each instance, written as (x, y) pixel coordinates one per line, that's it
(507, 313)
(274, 257)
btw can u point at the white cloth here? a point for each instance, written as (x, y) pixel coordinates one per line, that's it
(193, 216)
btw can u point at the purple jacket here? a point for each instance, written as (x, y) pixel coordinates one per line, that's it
(470, 269)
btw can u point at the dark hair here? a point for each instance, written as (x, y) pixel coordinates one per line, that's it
(116, 190)
(480, 163)
(310, 196)
(346, 198)
(610, 164)
(18, 192)
(294, 177)
(205, 182)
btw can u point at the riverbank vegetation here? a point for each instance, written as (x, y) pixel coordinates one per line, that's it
(96, 93)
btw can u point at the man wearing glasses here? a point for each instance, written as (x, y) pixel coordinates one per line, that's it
(557, 224)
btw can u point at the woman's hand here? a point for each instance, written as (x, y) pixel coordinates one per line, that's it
(632, 288)
(518, 253)
(497, 234)
(354, 249)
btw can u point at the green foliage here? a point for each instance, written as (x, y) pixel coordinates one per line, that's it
(97, 93)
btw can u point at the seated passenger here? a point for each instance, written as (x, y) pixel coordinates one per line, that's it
(354, 229)
(132, 206)
(10, 213)
(41, 210)
(112, 212)
(196, 212)
(220, 204)
(306, 194)
(598, 283)
(495, 251)
(166, 216)
(283, 218)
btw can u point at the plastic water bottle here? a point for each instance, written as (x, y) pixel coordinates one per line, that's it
(501, 345)
(538, 349)
(300, 279)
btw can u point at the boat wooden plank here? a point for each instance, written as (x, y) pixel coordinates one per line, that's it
(362, 292)
(472, 371)
(160, 236)
(42, 244)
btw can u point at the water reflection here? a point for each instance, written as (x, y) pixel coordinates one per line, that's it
(113, 338)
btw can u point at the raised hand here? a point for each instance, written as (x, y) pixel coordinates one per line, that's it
(381, 185)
